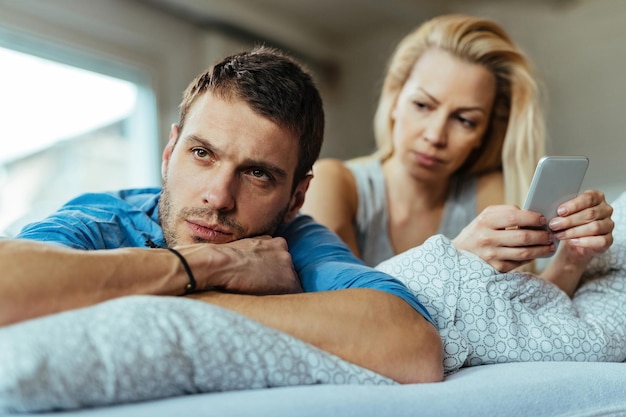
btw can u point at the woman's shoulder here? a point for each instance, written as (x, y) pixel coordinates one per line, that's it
(491, 178)
(333, 183)
(329, 164)
(332, 172)
(367, 161)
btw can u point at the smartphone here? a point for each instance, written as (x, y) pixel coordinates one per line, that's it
(557, 179)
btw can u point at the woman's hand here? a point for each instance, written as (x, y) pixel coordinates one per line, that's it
(585, 229)
(506, 237)
(584, 226)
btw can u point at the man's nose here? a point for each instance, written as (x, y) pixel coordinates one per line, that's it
(221, 189)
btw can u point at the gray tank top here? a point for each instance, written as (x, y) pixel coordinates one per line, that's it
(371, 216)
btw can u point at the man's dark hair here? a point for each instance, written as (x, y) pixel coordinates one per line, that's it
(275, 86)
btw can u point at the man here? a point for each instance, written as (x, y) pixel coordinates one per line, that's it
(235, 172)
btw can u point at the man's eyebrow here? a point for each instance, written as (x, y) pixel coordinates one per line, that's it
(201, 141)
(275, 170)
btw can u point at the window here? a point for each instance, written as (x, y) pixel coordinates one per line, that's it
(69, 129)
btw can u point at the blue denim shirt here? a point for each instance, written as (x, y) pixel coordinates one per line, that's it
(127, 218)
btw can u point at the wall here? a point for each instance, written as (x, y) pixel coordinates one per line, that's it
(170, 50)
(579, 51)
(362, 62)
(163, 47)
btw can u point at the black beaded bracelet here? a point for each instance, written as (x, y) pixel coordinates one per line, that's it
(191, 285)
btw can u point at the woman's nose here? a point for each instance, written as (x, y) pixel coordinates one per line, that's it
(435, 132)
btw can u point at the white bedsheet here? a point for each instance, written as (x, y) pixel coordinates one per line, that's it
(535, 389)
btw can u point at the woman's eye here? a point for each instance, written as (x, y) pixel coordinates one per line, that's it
(467, 122)
(421, 105)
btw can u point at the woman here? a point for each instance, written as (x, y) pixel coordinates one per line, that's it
(459, 130)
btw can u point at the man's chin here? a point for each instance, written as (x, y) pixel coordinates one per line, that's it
(215, 241)
(194, 240)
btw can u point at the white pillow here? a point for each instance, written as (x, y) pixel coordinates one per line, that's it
(142, 347)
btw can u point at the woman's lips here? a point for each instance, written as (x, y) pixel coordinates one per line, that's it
(426, 160)
(209, 233)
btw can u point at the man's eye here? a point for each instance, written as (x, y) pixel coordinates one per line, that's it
(257, 173)
(200, 153)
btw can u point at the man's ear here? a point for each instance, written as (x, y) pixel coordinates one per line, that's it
(297, 200)
(169, 148)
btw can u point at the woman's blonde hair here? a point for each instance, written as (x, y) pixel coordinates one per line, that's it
(515, 138)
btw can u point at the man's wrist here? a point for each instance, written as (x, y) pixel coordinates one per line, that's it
(191, 285)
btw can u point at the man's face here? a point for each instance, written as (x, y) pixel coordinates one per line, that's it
(228, 176)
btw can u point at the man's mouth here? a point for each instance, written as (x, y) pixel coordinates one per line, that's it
(209, 232)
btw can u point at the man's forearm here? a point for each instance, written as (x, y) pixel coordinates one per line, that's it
(370, 328)
(39, 279)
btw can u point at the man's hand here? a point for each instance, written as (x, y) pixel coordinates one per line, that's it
(499, 235)
(256, 266)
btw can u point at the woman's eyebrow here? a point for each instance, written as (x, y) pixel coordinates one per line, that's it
(468, 108)
(430, 96)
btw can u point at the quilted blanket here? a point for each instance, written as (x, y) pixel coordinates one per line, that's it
(487, 317)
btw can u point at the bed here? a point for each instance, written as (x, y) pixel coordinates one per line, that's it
(514, 389)
(144, 355)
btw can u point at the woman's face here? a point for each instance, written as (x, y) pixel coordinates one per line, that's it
(441, 114)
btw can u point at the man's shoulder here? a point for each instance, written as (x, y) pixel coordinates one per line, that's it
(303, 226)
(128, 201)
(310, 242)
(103, 220)
(133, 197)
